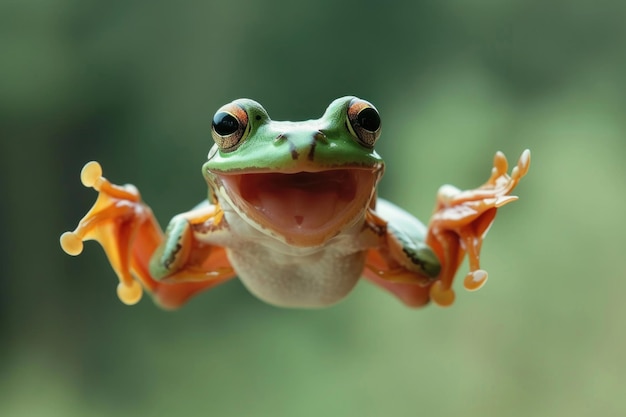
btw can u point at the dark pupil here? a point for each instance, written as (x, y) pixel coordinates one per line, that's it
(369, 119)
(225, 124)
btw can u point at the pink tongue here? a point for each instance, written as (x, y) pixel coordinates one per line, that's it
(300, 202)
(293, 208)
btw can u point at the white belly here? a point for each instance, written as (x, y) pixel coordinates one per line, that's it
(293, 280)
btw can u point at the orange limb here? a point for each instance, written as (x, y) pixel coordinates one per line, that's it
(401, 263)
(130, 235)
(405, 285)
(457, 227)
(461, 221)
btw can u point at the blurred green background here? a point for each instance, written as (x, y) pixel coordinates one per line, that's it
(134, 84)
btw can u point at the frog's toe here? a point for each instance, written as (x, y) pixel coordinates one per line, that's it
(129, 292)
(502, 200)
(474, 280)
(523, 164)
(442, 296)
(90, 174)
(500, 164)
(71, 243)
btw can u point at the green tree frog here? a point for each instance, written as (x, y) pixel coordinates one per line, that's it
(293, 212)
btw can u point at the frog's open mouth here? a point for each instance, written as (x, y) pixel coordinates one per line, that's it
(305, 208)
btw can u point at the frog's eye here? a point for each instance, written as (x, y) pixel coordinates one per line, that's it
(364, 122)
(230, 127)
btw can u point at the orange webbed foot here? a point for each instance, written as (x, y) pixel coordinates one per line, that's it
(113, 221)
(461, 221)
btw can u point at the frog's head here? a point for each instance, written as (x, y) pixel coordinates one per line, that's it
(301, 182)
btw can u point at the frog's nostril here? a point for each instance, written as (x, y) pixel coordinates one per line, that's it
(319, 136)
(301, 143)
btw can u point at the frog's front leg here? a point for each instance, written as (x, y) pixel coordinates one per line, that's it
(457, 227)
(187, 253)
(401, 262)
(131, 236)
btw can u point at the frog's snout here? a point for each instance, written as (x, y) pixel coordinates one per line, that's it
(302, 144)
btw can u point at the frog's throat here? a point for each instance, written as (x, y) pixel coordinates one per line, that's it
(304, 208)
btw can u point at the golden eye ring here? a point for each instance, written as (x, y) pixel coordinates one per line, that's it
(230, 127)
(364, 122)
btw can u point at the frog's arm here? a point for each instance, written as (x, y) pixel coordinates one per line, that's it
(403, 263)
(181, 265)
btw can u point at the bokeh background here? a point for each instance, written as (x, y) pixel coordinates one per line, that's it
(134, 84)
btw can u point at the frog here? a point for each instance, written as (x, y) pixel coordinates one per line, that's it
(293, 211)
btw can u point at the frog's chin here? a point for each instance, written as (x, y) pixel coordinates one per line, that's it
(303, 208)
